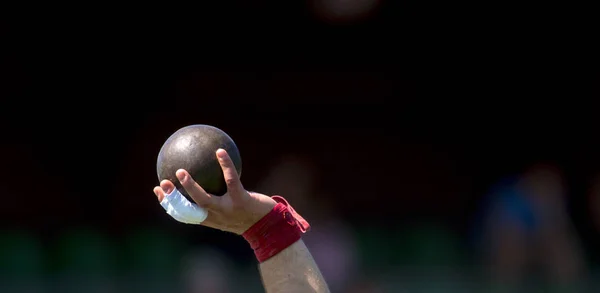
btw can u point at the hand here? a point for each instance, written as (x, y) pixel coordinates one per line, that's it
(235, 211)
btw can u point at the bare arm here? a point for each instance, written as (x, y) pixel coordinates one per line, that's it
(292, 271)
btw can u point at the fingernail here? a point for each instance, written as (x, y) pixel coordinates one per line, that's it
(221, 153)
(181, 175)
(168, 190)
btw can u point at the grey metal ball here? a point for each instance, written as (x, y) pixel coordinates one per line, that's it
(193, 148)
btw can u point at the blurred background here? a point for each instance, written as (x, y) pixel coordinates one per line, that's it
(431, 149)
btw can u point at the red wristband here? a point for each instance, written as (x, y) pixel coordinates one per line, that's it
(276, 231)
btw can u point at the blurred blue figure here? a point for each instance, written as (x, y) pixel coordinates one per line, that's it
(527, 237)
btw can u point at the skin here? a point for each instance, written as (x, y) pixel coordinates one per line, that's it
(292, 270)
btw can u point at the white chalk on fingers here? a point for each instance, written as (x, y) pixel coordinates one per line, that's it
(182, 210)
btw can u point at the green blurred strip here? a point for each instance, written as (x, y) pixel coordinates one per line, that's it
(85, 251)
(21, 254)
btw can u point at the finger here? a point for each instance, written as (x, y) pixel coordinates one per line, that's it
(159, 192)
(167, 186)
(232, 179)
(196, 192)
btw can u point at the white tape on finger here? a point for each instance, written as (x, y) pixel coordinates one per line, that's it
(182, 210)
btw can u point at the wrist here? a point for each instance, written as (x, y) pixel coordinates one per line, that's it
(276, 231)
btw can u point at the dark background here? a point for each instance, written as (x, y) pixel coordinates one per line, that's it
(409, 115)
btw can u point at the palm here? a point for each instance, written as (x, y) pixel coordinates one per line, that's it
(235, 211)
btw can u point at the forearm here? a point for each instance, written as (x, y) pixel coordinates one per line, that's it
(293, 270)
(269, 224)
